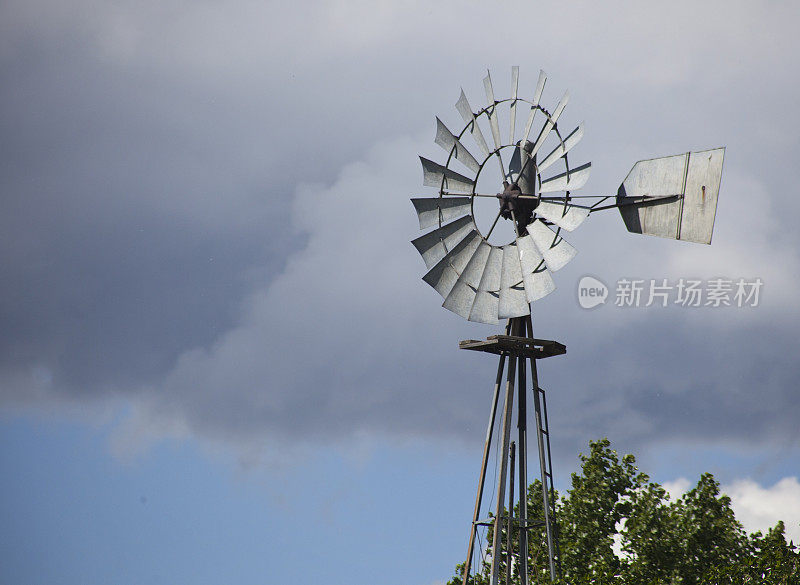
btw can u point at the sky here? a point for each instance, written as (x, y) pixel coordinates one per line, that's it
(218, 360)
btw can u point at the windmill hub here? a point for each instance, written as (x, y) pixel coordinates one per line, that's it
(514, 204)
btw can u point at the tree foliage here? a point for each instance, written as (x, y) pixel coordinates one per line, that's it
(619, 527)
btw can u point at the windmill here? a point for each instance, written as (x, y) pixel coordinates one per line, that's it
(496, 235)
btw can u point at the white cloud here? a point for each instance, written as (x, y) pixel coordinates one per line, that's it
(760, 508)
(676, 488)
(755, 506)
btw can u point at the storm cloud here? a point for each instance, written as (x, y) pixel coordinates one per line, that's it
(206, 218)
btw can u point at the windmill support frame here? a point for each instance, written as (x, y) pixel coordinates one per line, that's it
(521, 349)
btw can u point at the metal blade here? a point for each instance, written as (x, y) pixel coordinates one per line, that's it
(538, 284)
(434, 211)
(444, 275)
(577, 179)
(463, 107)
(564, 216)
(513, 106)
(563, 148)
(535, 277)
(512, 301)
(535, 102)
(462, 296)
(449, 142)
(557, 252)
(530, 257)
(551, 121)
(492, 110)
(435, 175)
(435, 245)
(484, 308)
(490, 279)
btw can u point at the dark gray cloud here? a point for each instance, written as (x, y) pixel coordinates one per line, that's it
(207, 214)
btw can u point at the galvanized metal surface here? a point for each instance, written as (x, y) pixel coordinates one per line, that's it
(565, 216)
(557, 252)
(537, 96)
(435, 245)
(485, 306)
(460, 299)
(530, 257)
(563, 148)
(436, 175)
(491, 110)
(512, 108)
(512, 301)
(434, 211)
(473, 273)
(550, 123)
(699, 210)
(574, 179)
(450, 143)
(444, 275)
(536, 279)
(695, 176)
(462, 296)
(538, 284)
(463, 107)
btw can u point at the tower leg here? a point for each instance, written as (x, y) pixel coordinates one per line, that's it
(510, 523)
(516, 329)
(486, 449)
(501, 479)
(522, 449)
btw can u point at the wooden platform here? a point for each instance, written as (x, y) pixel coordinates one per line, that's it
(517, 346)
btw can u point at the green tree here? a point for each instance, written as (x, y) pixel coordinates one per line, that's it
(709, 533)
(618, 527)
(650, 537)
(770, 560)
(600, 498)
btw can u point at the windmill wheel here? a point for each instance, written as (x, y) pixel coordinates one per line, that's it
(498, 217)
